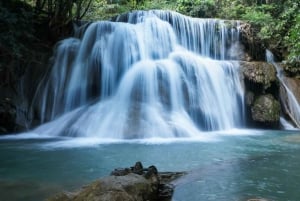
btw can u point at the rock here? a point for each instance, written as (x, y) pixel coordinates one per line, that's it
(151, 171)
(261, 74)
(266, 110)
(131, 187)
(121, 172)
(254, 46)
(138, 168)
(261, 86)
(126, 184)
(165, 191)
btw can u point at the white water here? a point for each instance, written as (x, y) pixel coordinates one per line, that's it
(291, 104)
(286, 124)
(151, 77)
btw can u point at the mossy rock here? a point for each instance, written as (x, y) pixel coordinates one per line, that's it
(266, 109)
(260, 73)
(130, 187)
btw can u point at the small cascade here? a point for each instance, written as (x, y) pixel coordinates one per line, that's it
(286, 124)
(145, 74)
(290, 103)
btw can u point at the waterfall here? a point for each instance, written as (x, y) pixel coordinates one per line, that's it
(291, 105)
(145, 74)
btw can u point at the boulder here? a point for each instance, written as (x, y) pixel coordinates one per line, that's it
(266, 110)
(258, 75)
(130, 187)
(126, 184)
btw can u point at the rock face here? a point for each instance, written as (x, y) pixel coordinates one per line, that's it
(126, 184)
(266, 110)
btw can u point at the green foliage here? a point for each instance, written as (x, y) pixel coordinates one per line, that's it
(276, 22)
(293, 43)
(262, 19)
(256, 16)
(198, 8)
(232, 10)
(103, 9)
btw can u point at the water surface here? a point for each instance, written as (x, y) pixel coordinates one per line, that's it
(236, 165)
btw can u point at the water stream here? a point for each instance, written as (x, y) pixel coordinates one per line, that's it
(291, 105)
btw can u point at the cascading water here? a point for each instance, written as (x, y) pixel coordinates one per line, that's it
(292, 106)
(147, 74)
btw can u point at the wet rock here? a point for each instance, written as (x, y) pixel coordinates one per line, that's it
(165, 191)
(151, 171)
(262, 94)
(131, 187)
(138, 168)
(258, 74)
(266, 111)
(126, 184)
(121, 172)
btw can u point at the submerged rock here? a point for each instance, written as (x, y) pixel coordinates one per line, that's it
(126, 184)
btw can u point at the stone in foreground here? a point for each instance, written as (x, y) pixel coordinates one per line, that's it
(126, 184)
